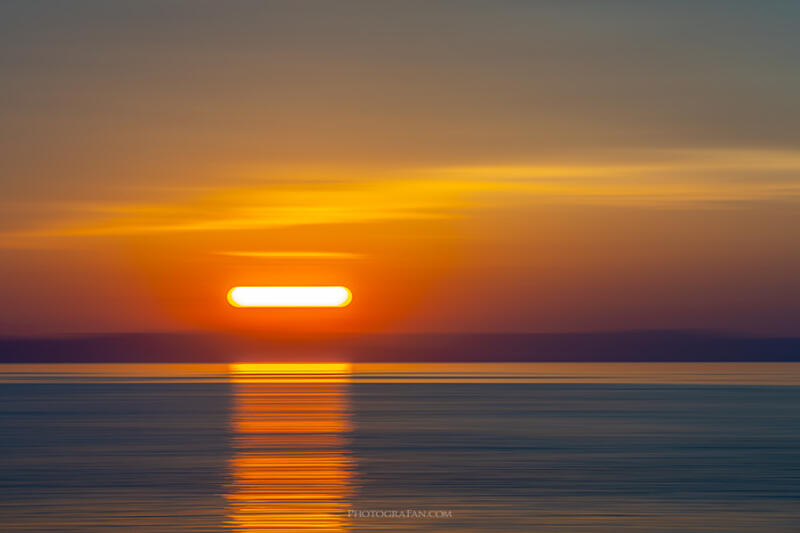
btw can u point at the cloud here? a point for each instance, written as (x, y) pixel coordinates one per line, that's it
(291, 254)
(694, 178)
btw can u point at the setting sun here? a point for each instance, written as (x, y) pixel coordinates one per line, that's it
(289, 296)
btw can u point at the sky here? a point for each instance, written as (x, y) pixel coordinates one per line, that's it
(460, 166)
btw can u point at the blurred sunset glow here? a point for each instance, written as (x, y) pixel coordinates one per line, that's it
(654, 186)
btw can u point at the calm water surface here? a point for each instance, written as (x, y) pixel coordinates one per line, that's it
(400, 447)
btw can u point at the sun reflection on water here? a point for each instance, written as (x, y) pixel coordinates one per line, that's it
(290, 470)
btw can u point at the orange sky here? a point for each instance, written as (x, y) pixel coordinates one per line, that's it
(505, 168)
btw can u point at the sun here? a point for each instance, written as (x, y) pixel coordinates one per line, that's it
(329, 296)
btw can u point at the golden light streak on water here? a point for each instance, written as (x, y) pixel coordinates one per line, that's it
(289, 468)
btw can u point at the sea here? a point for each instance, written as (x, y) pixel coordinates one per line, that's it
(477, 447)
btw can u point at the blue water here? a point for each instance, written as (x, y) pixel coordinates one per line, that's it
(331, 452)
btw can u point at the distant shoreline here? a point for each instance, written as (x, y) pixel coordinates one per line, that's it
(629, 346)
